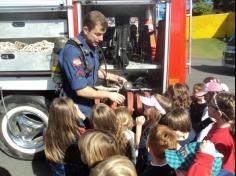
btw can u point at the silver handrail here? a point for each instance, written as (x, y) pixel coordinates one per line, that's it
(167, 44)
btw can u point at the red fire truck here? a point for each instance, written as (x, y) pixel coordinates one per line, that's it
(26, 83)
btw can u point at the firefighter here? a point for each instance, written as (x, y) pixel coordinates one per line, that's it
(79, 65)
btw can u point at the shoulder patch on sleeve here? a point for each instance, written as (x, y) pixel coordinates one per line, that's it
(76, 62)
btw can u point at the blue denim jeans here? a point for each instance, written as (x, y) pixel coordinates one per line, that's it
(58, 169)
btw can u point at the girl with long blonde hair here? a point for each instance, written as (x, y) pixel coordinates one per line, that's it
(103, 117)
(61, 137)
(126, 122)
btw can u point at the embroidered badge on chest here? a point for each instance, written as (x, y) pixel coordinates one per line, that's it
(80, 73)
(76, 62)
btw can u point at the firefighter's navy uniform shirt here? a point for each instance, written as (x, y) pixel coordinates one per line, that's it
(74, 72)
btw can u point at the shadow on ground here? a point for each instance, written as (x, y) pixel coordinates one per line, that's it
(215, 69)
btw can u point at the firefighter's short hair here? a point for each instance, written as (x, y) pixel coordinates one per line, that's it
(94, 18)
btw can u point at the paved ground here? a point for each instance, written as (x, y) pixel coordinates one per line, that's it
(23, 168)
(200, 70)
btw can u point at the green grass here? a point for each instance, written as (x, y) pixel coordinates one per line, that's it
(207, 48)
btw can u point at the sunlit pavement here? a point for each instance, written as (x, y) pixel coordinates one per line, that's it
(202, 68)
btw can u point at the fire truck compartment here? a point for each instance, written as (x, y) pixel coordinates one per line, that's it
(20, 60)
(33, 29)
(33, 25)
(127, 51)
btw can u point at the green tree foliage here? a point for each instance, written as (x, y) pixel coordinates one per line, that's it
(202, 8)
(224, 5)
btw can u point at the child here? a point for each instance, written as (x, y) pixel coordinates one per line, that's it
(213, 88)
(162, 144)
(114, 166)
(160, 139)
(222, 109)
(97, 145)
(61, 138)
(104, 118)
(198, 107)
(179, 121)
(155, 107)
(204, 160)
(123, 116)
(210, 79)
(179, 95)
(195, 159)
(213, 79)
(126, 121)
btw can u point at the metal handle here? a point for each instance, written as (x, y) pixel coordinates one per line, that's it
(7, 56)
(18, 24)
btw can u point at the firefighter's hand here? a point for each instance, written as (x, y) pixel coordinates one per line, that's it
(80, 114)
(116, 97)
(121, 80)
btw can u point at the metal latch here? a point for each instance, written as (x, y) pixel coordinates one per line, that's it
(7, 56)
(18, 24)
